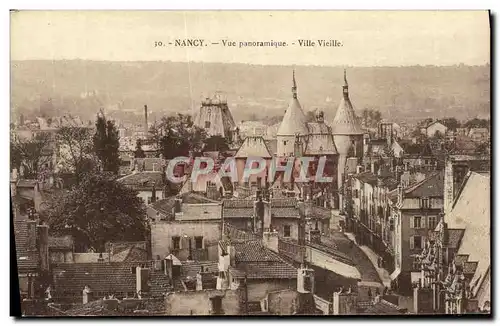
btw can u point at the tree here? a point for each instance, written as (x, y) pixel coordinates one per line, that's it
(75, 151)
(451, 123)
(98, 210)
(371, 117)
(478, 123)
(139, 152)
(216, 143)
(310, 116)
(178, 136)
(106, 144)
(31, 155)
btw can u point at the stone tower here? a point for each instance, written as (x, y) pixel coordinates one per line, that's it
(347, 133)
(215, 117)
(293, 127)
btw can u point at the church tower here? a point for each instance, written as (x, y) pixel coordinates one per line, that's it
(347, 133)
(293, 126)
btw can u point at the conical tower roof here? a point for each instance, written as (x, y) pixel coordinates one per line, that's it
(346, 122)
(294, 121)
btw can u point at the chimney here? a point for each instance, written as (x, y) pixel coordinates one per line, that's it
(153, 193)
(32, 237)
(270, 240)
(178, 205)
(142, 279)
(373, 168)
(305, 279)
(43, 246)
(231, 251)
(86, 294)
(258, 213)
(199, 281)
(146, 130)
(100, 259)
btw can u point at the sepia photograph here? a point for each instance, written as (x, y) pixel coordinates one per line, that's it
(250, 163)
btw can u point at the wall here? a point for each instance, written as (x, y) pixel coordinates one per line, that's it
(258, 288)
(199, 303)
(144, 194)
(282, 302)
(89, 257)
(162, 233)
(200, 212)
(279, 224)
(60, 256)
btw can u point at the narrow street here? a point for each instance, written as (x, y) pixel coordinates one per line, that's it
(369, 276)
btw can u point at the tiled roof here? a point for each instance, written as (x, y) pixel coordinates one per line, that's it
(470, 267)
(383, 308)
(65, 242)
(109, 277)
(143, 180)
(432, 186)
(238, 203)
(288, 212)
(454, 237)
(283, 202)
(235, 234)
(164, 206)
(27, 261)
(242, 212)
(130, 255)
(461, 259)
(193, 198)
(253, 146)
(268, 270)
(320, 140)
(254, 251)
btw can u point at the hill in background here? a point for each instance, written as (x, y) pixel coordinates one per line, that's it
(253, 91)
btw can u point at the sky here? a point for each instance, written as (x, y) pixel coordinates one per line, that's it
(369, 38)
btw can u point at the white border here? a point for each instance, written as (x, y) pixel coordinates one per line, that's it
(200, 4)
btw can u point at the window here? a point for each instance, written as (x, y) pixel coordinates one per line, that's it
(176, 242)
(207, 124)
(284, 142)
(416, 242)
(286, 231)
(432, 221)
(416, 264)
(198, 242)
(424, 203)
(417, 222)
(149, 199)
(356, 193)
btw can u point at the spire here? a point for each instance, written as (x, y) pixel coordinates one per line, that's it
(294, 120)
(345, 87)
(345, 121)
(294, 86)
